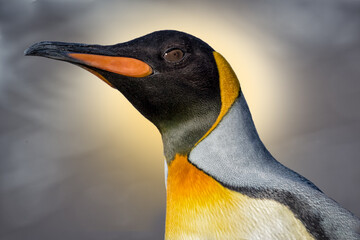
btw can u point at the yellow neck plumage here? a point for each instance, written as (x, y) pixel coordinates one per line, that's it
(229, 89)
(199, 207)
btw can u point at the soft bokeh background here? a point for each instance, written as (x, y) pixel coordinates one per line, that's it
(78, 162)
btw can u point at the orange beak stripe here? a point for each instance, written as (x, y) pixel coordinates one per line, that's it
(99, 76)
(126, 66)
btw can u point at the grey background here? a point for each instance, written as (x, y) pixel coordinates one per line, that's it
(78, 162)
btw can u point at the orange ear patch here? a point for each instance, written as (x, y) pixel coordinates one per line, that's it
(229, 89)
(126, 66)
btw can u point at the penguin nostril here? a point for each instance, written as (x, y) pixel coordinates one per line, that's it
(174, 55)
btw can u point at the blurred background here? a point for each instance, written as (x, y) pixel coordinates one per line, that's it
(77, 161)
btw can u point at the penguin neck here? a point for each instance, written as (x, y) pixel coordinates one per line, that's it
(233, 146)
(238, 134)
(180, 136)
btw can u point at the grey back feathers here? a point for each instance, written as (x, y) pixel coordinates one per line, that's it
(234, 155)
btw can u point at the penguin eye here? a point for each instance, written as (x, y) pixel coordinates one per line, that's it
(174, 55)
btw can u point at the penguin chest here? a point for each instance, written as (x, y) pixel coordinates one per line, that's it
(198, 207)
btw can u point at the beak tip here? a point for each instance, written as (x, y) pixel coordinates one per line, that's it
(45, 49)
(28, 52)
(33, 49)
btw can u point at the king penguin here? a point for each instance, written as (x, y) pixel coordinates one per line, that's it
(222, 183)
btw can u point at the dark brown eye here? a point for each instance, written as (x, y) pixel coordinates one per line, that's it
(174, 55)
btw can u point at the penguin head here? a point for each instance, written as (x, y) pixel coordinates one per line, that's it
(170, 77)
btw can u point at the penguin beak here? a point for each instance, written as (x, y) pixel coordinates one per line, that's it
(92, 58)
